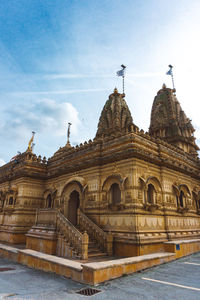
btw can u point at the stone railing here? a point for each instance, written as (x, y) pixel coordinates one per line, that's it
(75, 239)
(104, 240)
(46, 217)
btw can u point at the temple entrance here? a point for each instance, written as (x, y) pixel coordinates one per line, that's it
(73, 205)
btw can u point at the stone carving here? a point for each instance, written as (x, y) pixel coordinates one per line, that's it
(115, 117)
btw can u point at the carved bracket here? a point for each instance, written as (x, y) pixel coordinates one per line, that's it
(151, 207)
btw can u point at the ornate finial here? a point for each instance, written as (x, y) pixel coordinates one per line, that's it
(115, 90)
(30, 144)
(164, 86)
(68, 133)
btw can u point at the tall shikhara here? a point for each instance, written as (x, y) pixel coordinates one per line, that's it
(115, 117)
(170, 123)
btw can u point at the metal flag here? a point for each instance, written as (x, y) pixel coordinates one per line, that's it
(170, 70)
(120, 72)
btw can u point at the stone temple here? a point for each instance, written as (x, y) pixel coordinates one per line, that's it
(125, 193)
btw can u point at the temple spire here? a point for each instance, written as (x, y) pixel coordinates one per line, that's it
(115, 117)
(170, 123)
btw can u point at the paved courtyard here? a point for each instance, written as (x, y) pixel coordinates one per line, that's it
(176, 280)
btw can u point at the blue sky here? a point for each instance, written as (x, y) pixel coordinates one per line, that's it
(58, 63)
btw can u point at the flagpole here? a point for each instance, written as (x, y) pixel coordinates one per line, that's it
(123, 84)
(123, 68)
(173, 81)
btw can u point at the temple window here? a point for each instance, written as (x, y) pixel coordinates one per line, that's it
(10, 201)
(150, 193)
(115, 194)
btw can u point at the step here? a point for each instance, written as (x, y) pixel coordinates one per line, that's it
(94, 250)
(97, 254)
(93, 244)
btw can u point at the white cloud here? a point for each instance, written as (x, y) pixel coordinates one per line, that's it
(45, 116)
(2, 162)
(60, 92)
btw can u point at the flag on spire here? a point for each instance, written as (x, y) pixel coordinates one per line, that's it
(120, 72)
(170, 70)
(171, 74)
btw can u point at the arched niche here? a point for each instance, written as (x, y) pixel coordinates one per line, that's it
(114, 178)
(182, 193)
(113, 186)
(152, 192)
(115, 194)
(155, 182)
(11, 197)
(49, 198)
(72, 198)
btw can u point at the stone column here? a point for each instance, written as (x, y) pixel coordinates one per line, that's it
(85, 241)
(109, 243)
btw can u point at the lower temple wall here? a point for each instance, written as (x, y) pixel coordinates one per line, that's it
(123, 249)
(47, 246)
(13, 237)
(14, 225)
(182, 248)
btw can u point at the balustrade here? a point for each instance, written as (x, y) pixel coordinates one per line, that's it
(104, 240)
(75, 239)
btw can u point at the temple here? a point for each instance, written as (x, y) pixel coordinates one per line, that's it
(124, 193)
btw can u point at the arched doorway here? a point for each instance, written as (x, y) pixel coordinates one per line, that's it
(73, 205)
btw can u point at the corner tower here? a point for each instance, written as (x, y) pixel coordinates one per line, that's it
(115, 117)
(170, 123)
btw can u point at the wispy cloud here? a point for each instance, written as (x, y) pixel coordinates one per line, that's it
(61, 92)
(145, 75)
(74, 76)
(80, 76)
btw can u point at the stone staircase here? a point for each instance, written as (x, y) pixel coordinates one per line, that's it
(54, 234)
(94, 251)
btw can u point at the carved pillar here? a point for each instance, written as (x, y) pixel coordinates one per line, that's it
(78, 216)
(109, 243)
(145, 195)
(85, 241)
